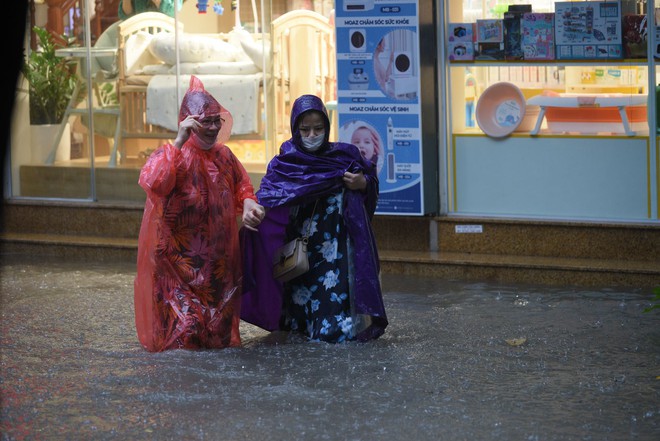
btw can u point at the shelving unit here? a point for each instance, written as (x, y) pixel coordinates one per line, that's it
(572, 175)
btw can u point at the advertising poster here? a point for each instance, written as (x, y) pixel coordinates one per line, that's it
(378, 95)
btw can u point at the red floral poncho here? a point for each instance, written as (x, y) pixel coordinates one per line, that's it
(188, 283)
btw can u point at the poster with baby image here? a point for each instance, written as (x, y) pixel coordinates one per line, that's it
(378, 95)
(366, 138)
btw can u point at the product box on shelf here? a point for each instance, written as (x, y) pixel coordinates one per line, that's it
(460, 50)
(538, 42)
(489, 31)
(489, 51)
(635, 33)
(512, 36)
(460, 32)
(460, 44)
(490, 39)
(519, 8)
(588, 30)
(512, 25)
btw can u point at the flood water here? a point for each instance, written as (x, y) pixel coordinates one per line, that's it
(459, 361)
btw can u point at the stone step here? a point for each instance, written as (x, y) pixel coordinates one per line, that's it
(448, 265)
(509, 268)
(504, 250)
(99, 249)
(590, 240)
(72, 219)
(639, 242)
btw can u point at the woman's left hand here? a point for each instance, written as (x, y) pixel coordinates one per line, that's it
(355, 181)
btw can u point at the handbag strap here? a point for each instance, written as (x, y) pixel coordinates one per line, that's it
(309, 225)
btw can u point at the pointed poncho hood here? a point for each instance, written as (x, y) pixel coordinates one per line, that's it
(197, 101)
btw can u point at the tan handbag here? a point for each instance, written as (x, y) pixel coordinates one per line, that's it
(290, 260)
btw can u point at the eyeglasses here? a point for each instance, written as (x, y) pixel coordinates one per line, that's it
(212, 120)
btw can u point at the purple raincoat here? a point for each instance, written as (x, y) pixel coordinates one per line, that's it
(297, 177)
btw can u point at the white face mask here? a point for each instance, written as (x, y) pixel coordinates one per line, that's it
(313, 143)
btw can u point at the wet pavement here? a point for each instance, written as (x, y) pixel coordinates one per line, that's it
(459, 361)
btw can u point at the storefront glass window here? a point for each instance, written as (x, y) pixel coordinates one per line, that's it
(129, 69)
(548, 110)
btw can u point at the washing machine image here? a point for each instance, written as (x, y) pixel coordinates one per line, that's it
(357, 39)
(403, 81)
(358, 80)
(403, 66)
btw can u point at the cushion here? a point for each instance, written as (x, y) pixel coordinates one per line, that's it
(184, 69)
(137, 53)
(234, 37)
(226, 68)
(255, 50)
(139, 80)
(156, 69)
(192, 48)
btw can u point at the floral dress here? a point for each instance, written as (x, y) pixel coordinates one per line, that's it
(317, 303)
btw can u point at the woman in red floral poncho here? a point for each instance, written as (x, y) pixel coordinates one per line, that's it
(188, 283)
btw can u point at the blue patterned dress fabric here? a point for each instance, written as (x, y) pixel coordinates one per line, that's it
(317, 303)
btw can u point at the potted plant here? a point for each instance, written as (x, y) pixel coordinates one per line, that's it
(51, 82)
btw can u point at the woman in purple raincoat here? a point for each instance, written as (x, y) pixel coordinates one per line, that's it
(329, 185)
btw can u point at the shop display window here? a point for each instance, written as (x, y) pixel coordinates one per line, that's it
(582, 112)
(535, 64)
(129, 71)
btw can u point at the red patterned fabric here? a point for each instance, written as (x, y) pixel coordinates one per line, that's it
(189, 276)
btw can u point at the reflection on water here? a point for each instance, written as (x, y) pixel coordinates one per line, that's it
(71, 367)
